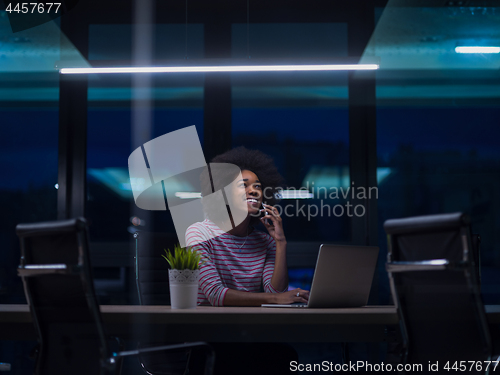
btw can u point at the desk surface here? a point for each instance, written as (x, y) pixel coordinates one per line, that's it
(240, 324)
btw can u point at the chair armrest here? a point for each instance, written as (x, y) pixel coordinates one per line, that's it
(209, 364)
(30, 270)
(424, 265)
(5, 366)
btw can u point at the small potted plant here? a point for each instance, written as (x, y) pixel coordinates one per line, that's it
(183, 276)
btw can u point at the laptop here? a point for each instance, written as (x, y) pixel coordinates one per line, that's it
(343, 277)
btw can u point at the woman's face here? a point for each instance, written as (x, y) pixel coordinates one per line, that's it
(249, 191)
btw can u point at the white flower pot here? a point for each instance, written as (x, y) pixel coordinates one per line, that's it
(183, 288)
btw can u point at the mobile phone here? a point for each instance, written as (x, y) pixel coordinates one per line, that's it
(264, 213)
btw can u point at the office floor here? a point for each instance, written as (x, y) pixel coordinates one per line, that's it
(309, 353)
(17, 354)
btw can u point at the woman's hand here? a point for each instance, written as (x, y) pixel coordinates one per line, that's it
(296, 295)
(275, 230)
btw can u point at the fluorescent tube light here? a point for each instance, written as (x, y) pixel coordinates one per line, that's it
(229, 68)
(187, 195)
(284, 194)
(296, 194)
(477, 49)
(45, 266)
(438, 262)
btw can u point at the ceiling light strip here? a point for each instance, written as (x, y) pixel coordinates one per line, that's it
(477, 49)
(207, 69)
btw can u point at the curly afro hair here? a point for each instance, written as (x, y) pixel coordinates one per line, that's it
(260, 164)
(252, 160)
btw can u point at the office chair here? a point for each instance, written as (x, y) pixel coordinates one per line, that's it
(56, 274)
(151, 270)
(435, 286)
(151, 275)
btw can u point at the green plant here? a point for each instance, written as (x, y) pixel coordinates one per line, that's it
(182, 258)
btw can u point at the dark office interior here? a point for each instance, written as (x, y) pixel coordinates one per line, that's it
(422, 131)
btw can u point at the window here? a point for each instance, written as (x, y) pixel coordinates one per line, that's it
(437, 124)
(300, 119)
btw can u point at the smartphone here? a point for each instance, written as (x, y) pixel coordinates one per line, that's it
(264, 213)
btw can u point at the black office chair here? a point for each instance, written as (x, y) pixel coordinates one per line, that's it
(435, 286)
(151, 270)
(56, 273)
(151, 273)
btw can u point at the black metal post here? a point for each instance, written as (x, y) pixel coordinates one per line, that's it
(217, 95)
(72, 165)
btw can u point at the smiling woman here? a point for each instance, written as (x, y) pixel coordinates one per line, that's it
(267, 179)
(248, 193)
(240, 261)
(241, 265)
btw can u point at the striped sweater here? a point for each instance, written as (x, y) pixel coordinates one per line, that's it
(226, 266)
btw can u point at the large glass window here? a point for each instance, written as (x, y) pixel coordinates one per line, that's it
(301, 120)
(121, 110)
(437, 124)
(29, 94)
(29, 119)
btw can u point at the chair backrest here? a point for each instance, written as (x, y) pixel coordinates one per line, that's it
(435, 285)
(57, 280)
(151, 273)
(151, 269)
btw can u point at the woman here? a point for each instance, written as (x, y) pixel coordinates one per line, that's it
(243, 266)
(238, 264)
